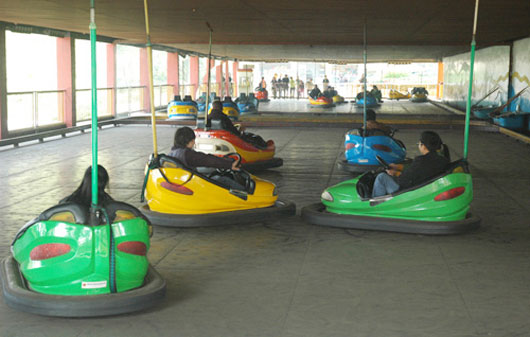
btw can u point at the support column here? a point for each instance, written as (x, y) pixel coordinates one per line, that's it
(173, 73)
(3, 83)
(194, 74)
(226, 84)
(65, 77)
(234, 78)
(219, 80)
(111, 79)
(440, 84)
(144, 80)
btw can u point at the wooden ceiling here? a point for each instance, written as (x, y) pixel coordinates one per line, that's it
(287, 29)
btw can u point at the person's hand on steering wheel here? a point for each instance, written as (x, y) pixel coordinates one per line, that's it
(394, 169)
(392, 172)
(240, 127)
(237, 161)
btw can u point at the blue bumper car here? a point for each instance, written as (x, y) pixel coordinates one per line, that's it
(201, 101)
(362, 148)
(247, 104)
(182, 108)
(371, 101)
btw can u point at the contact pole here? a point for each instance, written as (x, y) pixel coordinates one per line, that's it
(151, 90)
(365, 76)
(470, 88)
(209, 66)
(92, 27)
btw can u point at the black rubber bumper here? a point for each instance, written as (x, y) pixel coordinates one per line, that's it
(316, 214)
(343, 165)
(281, 209)
(18, 296)
(262, 165)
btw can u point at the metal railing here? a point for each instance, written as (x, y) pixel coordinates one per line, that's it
(219, 89)
(163, 94)
(188, 89)
(129, 99)
(83, 103)
(33, 109)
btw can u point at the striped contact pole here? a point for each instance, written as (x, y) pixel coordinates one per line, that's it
(151, 90)
(92, 27)
(470, 89)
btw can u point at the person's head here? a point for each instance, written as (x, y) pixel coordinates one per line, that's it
(375, 87)
(217, 105)
(316, 86)
(370, 115)
(83, 193)
(262, 78)
(184, 137)
(429, 141)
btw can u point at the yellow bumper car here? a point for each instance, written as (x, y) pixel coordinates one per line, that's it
(394, 94)
(178, 196)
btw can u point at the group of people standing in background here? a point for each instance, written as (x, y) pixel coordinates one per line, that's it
(285, 87)
(288, 87)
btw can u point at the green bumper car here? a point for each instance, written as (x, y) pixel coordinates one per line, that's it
(439, 206)
(66, 264)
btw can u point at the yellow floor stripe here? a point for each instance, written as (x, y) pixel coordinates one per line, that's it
(515, 135)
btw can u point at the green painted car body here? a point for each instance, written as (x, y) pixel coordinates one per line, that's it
(420, 203)
(67, 258)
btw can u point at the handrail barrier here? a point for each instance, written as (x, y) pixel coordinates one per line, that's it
(188, 89)
(163, 94)
(129, 99)
(28, 110)
(83, 103)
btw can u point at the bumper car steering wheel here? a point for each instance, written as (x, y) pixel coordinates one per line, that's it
(383, 162)
(228, 172)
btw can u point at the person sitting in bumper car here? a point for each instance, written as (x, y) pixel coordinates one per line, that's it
(423, 167)
(83, 194)
(372, 124)
(183, 150)
(315, 92)
(376, 93)
(226, 124)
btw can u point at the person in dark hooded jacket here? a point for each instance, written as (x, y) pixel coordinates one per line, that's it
(424, 167)
(182, 149)
(226, 124)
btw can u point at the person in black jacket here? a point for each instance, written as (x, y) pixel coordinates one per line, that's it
(285, 86)
(217, 114)
(183, 150)
(423, 167)
(372, 124)
(226, 124)
(315, 93)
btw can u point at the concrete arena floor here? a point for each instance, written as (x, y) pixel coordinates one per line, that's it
(289, 278)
